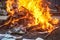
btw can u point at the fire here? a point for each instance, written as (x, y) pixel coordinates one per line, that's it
(38, 13)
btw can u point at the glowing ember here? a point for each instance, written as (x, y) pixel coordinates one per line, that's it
(36, 11)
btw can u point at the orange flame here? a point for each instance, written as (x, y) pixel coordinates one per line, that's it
(39, 10)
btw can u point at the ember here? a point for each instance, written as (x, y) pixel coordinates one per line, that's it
(32, 14)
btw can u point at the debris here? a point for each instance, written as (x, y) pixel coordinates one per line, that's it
(27, 39)
(39, 38)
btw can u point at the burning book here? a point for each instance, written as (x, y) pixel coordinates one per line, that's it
(32, 14)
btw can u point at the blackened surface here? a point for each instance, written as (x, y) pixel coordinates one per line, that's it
(55, 35)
